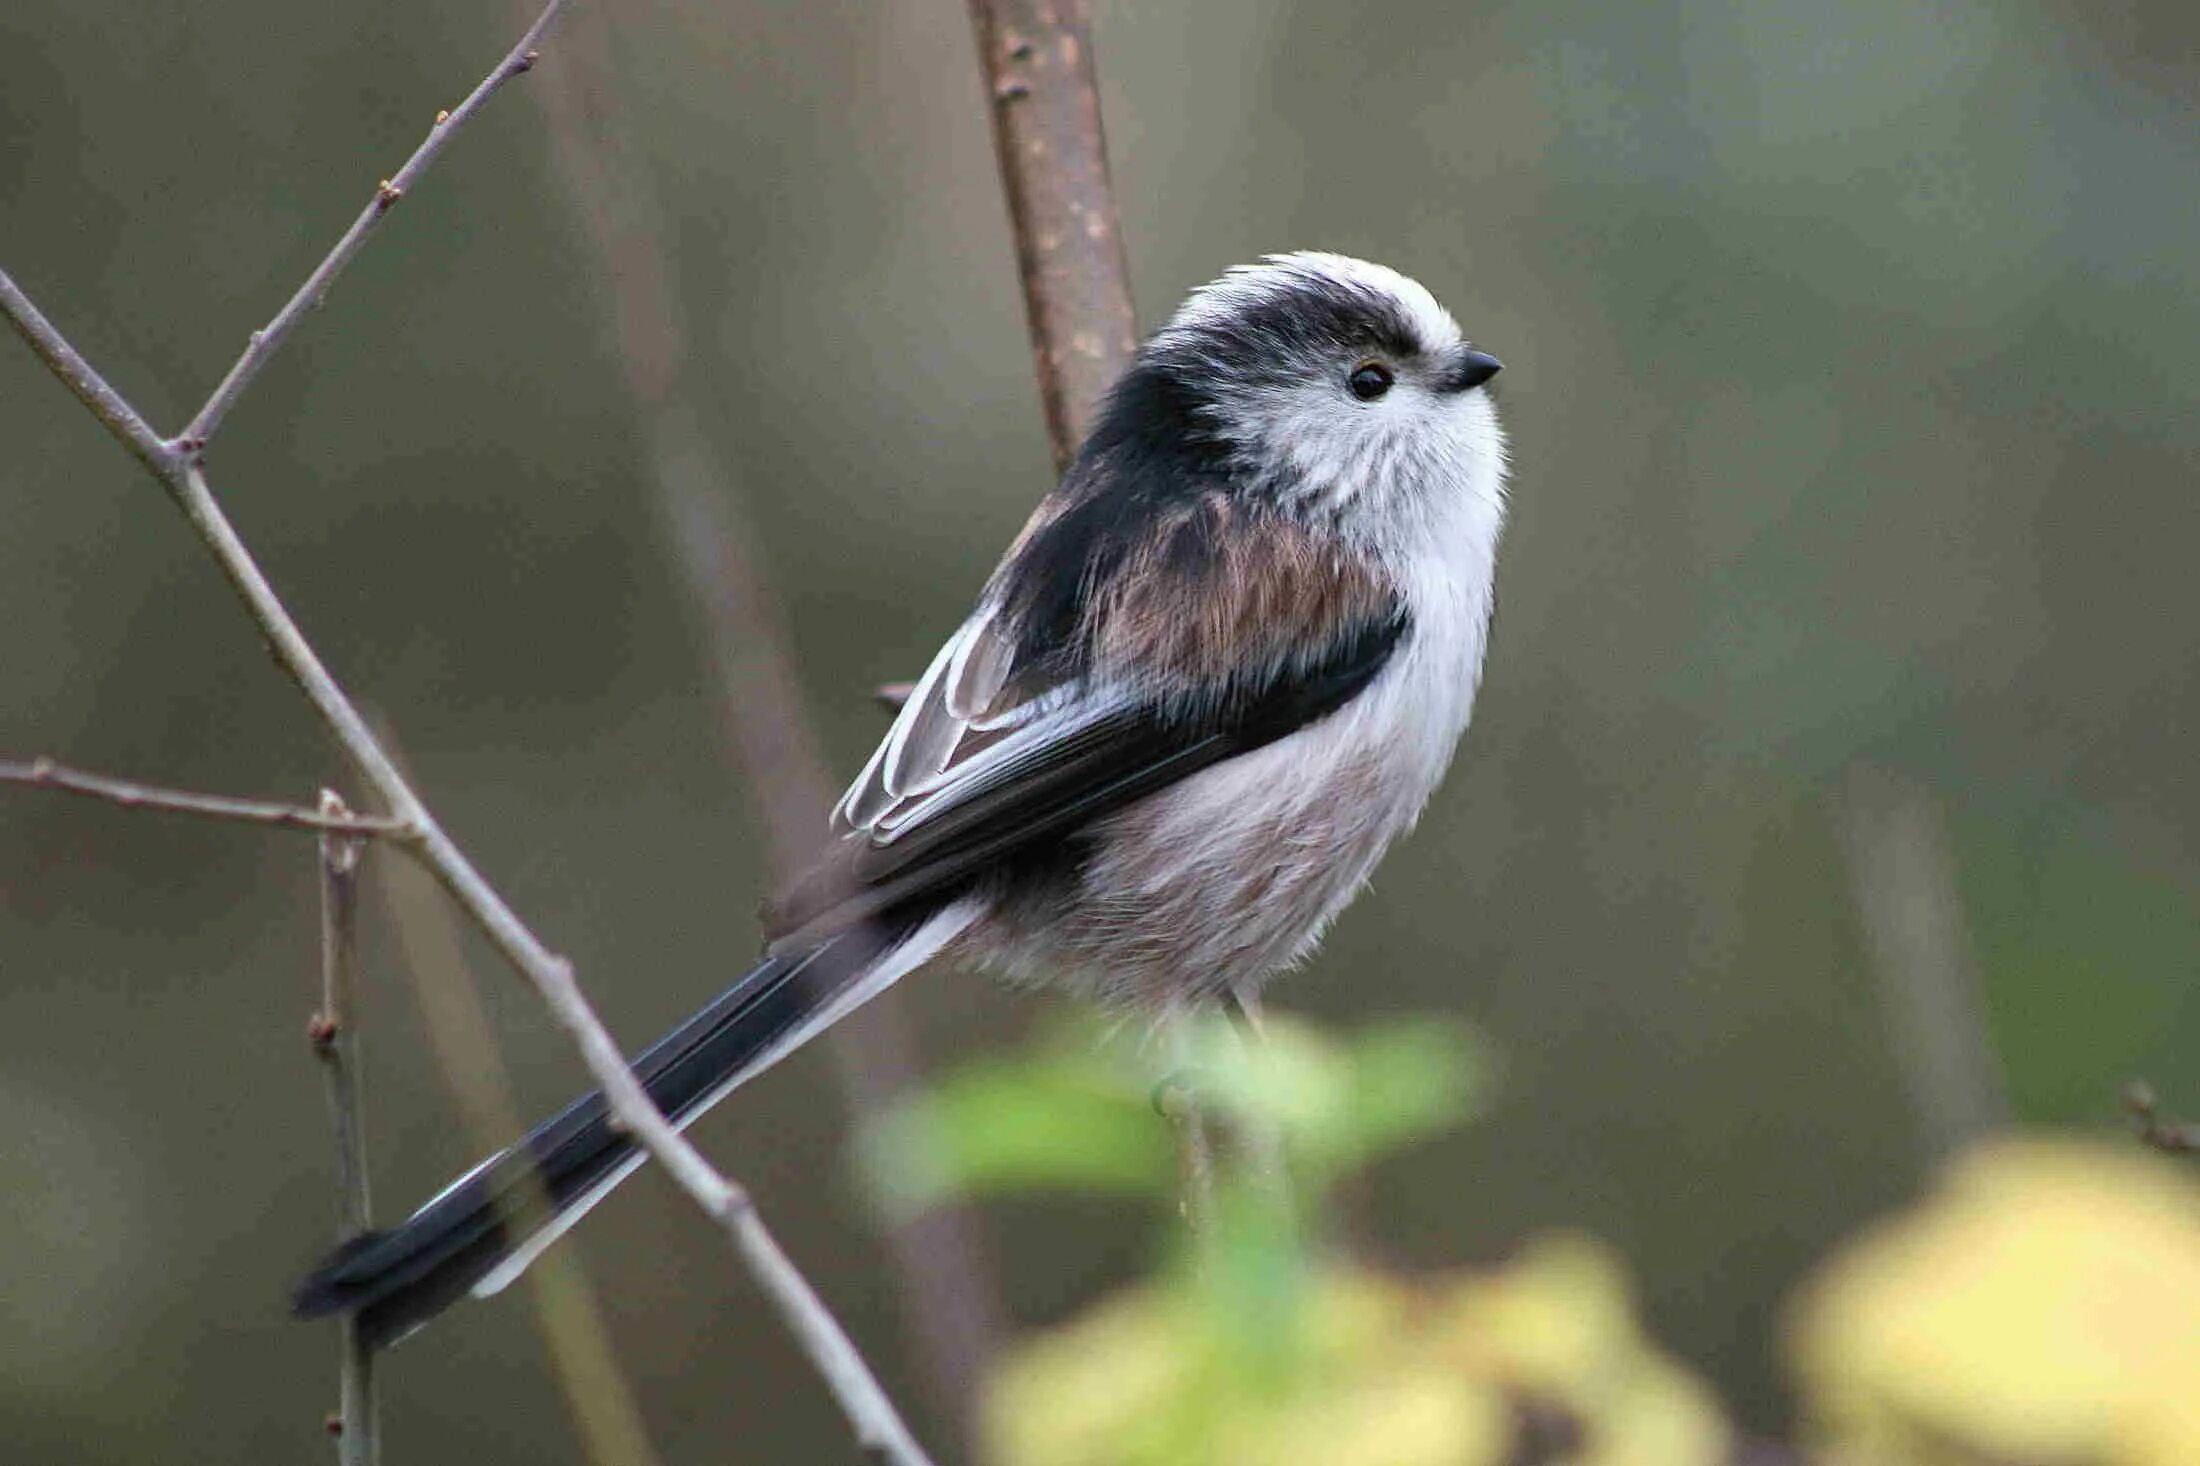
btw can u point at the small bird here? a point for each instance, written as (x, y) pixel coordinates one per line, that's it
(1223, 666)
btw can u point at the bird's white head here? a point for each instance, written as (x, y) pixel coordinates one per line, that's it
(1339, 387)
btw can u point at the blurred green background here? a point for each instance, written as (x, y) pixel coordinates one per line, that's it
(1850, 358)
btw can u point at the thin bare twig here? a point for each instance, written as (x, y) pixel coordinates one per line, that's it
(878, 1426)
(1036, 56)
(44, 773)
(2155, 1129)
(269, 339)
(334, 1035)
(77, 374)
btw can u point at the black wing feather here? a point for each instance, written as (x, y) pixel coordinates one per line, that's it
(1102, 768)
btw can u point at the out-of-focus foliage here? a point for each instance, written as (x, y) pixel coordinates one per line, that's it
(1539, 1361)
(1055, 1117)
(2042, 1305)
(1078, 1111)
(2038, 1306)
(1255, 1343)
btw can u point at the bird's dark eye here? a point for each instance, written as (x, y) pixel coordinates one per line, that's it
(1370, 380)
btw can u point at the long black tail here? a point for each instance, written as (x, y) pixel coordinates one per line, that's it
(483, 1229)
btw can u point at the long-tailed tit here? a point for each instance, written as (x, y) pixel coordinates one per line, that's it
(1220, 670)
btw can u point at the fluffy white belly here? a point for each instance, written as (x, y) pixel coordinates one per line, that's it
(1232, 876)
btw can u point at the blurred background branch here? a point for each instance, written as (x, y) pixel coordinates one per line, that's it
(1912, 917)
(947, 1303)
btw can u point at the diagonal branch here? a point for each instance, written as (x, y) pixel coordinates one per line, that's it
(269, 339)
(950, 1310)
(878, 1426)
(44, 773)
(79, 376)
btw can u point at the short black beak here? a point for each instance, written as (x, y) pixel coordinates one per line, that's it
(1471, 368)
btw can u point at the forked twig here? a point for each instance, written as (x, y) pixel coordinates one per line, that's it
(177, 465)
(266, 341)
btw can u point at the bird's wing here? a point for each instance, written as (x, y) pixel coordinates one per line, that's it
(1010, 742)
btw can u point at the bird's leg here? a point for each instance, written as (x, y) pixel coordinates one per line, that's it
(1259, 1144)
(1177, 1098)
(1242, 1002)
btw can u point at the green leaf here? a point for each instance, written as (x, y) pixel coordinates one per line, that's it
(1077, 1112)
(1337, 1104)
(1410, 1081)
(1054, 1122)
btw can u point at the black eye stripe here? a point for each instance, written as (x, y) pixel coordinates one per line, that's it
(1370, 380)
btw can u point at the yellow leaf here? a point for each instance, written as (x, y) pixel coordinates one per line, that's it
(2042, 1304)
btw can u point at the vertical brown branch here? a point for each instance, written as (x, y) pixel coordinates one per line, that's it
(335, 1041)
(1043, 91)
(1036, 58)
